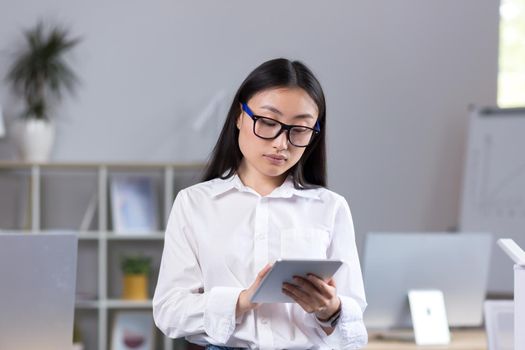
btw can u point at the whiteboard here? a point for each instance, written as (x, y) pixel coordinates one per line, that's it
(493, 196)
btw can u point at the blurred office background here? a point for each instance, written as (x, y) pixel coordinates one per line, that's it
(399, 77)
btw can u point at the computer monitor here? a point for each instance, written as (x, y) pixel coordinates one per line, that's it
(37, 290)
(455, 263)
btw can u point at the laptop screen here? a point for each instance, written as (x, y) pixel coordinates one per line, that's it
(37, 290)
(455, 263)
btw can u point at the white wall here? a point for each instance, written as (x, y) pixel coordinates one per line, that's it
(398, 76)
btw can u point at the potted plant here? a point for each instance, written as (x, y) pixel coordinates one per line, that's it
(136, 270)
(39, 74)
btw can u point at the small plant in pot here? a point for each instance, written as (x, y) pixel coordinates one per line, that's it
(40, 75)
(136, 270)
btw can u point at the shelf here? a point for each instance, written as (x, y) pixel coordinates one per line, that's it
(97, 235)
(87, 235)
(99, 248)
(6, 164)
(114, 304)
(159, 235)
(80, 234)
(87, 304)
(127, 304)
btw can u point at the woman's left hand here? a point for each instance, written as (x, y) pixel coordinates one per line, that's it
(314, 295)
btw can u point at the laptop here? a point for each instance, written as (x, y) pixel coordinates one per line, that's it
(396, 262)
(37, 290)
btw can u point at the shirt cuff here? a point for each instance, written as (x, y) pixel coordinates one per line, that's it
(219, 313)
(350, 331)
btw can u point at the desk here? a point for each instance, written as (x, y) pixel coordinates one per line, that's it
(460, 340)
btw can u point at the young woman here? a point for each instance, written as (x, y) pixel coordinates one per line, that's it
(263, 198)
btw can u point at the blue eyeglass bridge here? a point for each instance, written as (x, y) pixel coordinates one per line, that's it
(317, 127)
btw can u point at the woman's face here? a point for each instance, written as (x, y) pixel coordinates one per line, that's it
(273, 158)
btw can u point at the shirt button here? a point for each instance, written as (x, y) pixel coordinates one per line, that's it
(259, 236)
(264, 321)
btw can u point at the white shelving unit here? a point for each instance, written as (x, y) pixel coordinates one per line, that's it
(105, 303)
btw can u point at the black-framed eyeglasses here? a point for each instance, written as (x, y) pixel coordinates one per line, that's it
(269, 129)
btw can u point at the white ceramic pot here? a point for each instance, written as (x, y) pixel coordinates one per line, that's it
(34, 138)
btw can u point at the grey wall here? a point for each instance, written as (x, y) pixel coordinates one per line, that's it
(398, 76)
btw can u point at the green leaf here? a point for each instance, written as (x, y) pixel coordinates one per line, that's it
(41, 68)
(135, 265)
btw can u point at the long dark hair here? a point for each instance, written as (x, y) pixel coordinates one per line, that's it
(310, 170)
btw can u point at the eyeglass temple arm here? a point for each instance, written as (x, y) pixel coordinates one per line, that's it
(247, 109)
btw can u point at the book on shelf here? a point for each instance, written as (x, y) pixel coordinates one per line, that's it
(134, 204)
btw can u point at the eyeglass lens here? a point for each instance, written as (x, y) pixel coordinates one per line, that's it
(268, 128)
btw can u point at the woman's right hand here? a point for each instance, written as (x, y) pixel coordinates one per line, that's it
(243, 302)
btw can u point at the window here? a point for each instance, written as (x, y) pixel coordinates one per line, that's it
(511, 79)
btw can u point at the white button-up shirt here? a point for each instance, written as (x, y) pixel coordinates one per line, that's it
(220, 234)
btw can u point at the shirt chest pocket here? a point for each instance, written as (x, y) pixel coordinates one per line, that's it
(304, 243)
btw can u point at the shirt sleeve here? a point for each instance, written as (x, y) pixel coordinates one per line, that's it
(180, 305)
(350, 331)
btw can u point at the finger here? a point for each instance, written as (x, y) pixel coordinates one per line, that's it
(301, 294)
(331, 282)
(324, 288)
(319, 304)
(308, 287)
(263, 272)
(305, 306)
(259, 278)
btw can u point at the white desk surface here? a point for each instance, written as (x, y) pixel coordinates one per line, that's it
(472, 339)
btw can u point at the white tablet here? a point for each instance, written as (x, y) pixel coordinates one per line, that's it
(270, 289)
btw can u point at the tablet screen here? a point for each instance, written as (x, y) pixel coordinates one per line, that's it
(270, 289)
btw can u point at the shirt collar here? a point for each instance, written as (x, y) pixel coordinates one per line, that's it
(286, 190)
(220, 186)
